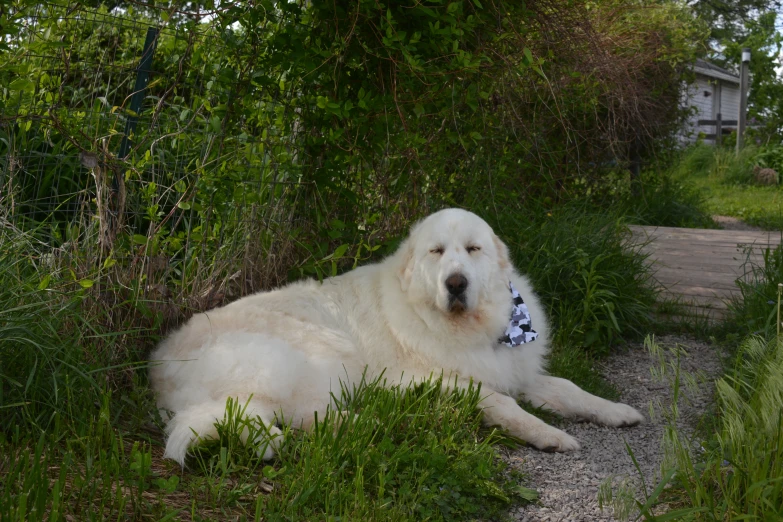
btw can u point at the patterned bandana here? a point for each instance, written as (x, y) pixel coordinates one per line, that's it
(520, 328)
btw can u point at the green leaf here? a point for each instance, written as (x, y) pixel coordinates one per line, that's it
(44, 284)
(86, 283)
(526, 493)
(21, 84)
(340, 251)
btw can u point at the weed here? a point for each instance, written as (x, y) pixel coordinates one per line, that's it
(740, 471)
(754, 310)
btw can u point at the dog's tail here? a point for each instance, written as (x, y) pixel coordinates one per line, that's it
(197, 422)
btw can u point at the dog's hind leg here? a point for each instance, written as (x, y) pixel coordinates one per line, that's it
(569, 400)
(197, 422)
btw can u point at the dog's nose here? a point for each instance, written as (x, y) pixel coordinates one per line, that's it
(456, 284)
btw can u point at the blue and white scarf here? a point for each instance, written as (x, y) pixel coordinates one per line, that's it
(520, 327)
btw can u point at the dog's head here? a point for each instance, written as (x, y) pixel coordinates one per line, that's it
(453, 262)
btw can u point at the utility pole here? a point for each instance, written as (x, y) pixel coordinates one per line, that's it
(743, 104)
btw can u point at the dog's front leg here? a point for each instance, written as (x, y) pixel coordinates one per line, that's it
(504, 411)
(569, 400)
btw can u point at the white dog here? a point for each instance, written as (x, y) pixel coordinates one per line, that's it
(441, 304)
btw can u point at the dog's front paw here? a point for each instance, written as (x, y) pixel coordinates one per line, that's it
(553, 439)
(618, 415)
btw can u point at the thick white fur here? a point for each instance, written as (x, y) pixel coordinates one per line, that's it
(286, 350)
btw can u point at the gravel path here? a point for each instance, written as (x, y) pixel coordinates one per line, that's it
(568, 482)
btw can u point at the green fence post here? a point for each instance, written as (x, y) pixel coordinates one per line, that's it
(142, 77)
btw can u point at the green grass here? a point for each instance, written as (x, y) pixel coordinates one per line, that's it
(410, 454)
(738, 473)
(667, 201)
(80, 440)
(755, 310)
(755, 205)
(725, 182)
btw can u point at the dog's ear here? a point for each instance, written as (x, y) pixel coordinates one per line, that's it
(502, 251)
(405, 267)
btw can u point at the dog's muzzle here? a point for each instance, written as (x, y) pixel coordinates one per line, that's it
(456, 284)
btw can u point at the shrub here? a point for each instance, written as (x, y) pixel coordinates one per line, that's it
(696, 160)
(667, 202)
(771, 157)
(595, 286)
(736, 169)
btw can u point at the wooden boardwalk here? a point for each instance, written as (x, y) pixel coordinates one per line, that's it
(697, 268)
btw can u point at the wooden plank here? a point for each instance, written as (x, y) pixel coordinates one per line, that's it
(696, 263)
(697, 301)
(721, 281)
(642, 229)
(720, 256)
(702, 291)
(717, 258)
(696, 247)
(732, 236)
(705, 247)
(756, 243)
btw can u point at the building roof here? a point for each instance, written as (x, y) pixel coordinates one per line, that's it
(713, 71)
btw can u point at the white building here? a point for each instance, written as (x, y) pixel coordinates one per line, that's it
(715, 91)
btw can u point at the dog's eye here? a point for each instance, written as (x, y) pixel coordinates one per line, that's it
(472, 248)
(437, 250)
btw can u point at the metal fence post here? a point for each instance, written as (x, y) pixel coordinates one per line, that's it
(142, 77)
(743, 105)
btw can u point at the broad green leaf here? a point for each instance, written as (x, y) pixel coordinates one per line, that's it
(44, 284)
(21, 84)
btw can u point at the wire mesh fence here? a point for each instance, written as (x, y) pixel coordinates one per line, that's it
(193, 155)
(119, 145)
